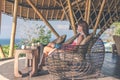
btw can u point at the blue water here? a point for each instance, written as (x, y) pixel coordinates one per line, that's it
(7, 41)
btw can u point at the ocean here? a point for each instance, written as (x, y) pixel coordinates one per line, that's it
(7, 41)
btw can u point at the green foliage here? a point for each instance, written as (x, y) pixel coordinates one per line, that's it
(117, 28)
(117, 31)
(44, 35)
(6, 49)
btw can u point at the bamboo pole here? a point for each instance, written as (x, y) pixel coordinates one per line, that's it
(0, 13)
(64, 11)
(71, 17)
(42, 17)
(98, 17)
(87, 11)
(2, 55)
(12, 40)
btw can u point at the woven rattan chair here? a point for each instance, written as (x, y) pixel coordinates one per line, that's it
(77, 62)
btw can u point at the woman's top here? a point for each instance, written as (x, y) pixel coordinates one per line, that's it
(75, 41)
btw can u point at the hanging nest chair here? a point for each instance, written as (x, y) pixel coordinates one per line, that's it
(77, 62)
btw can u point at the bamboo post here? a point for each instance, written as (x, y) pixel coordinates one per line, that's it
(12, 40)
(98, 17)
(2, 55)
(71, 17)
(87, 11)
(0, 13)
(42, 17)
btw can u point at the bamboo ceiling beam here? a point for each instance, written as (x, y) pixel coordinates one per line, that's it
(12, 40)
(36, 3)
(79, 10)
(87, 10)
(42, 17)
(98, 17)
(64, 11)
(63, 15)
(42, 5)
(21, 8)
(71, 17)
(52, 13)
(57, 13)
(47, 10)
(28, 12)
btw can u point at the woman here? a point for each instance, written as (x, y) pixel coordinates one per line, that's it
(82, 28)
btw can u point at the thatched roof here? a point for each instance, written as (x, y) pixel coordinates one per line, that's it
(54, 9)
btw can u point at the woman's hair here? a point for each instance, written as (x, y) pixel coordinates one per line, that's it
(85, 27)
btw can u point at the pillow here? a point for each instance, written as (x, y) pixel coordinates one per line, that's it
(60, 39)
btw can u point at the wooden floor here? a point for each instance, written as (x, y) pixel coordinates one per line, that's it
(111, 69)
(111, 65)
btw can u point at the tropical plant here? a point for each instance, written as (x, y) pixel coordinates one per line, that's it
(117, 28)
(38, 34)
(43, 35)
(6, 49)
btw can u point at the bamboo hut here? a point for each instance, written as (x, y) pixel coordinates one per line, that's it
(100, 14)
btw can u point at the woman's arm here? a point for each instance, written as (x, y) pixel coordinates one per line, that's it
(79, 39)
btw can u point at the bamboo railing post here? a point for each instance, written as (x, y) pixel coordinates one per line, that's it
(98, 17)
(42, 17)
(71, 17)
(12, 40)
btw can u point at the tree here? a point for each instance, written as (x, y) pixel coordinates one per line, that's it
(2, 55)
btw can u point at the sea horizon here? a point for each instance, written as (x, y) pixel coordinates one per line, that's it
(6, 41)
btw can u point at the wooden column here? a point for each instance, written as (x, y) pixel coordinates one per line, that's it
(12, 40)
(98, 17)
(87, 11)
(0, 13)
(1, 51)
(71, 17)
(42, 17)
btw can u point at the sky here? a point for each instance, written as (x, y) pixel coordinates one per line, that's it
(6, 25)
(61, 27)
